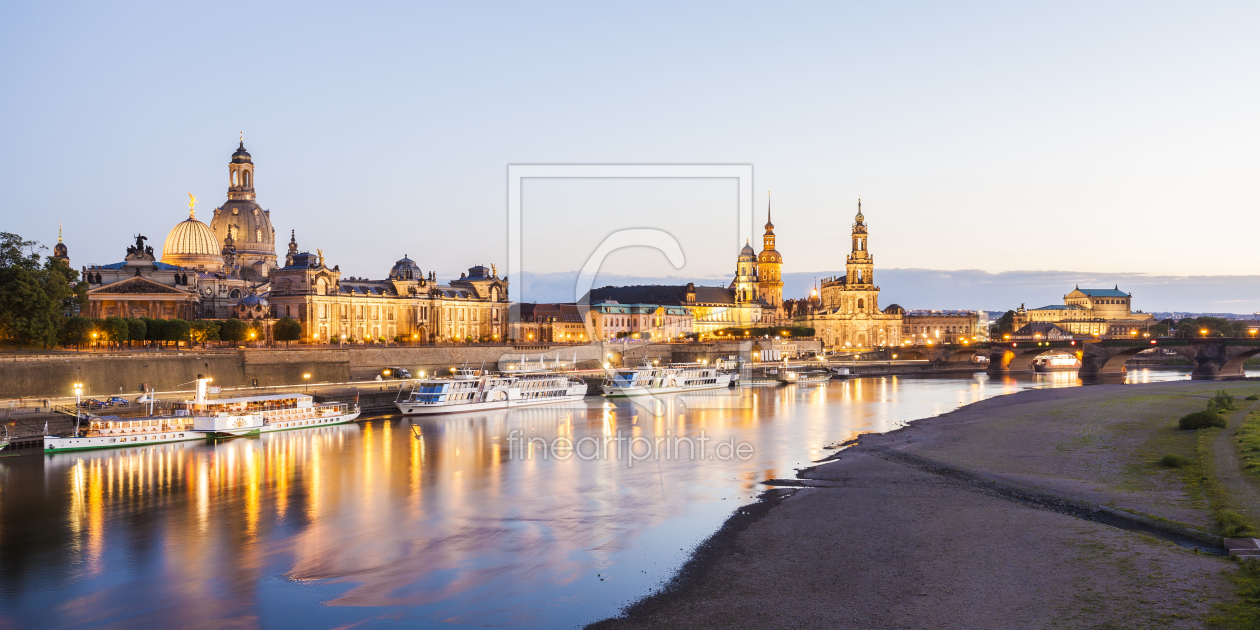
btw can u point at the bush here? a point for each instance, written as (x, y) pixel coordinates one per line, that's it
(1173, 461)
(1222, 401)
(1201, 420)
(1233, 525)
(1252, 397)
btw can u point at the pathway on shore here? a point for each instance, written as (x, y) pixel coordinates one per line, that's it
(1243, 492)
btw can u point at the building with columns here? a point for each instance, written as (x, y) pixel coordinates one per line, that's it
(1102, 312)
(845, 314)
(405, 305)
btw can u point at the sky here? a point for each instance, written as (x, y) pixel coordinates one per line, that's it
(1113, 142)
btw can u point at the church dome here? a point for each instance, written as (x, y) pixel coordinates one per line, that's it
(192, 243)
(405, 269)
(895, 309)
(241, 155)
(747, 254)
(770, 256)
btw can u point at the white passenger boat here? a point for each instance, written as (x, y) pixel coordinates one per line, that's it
(803, 376)
(505, 391)
(664, 380)
(201, 419)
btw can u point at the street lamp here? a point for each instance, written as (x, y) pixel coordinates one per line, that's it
(78, 401)
(1203, 332)
(307, 378)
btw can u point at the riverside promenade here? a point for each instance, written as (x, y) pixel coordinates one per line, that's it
(1042, 509)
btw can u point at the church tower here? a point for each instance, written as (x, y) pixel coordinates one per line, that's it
(770, 267)
(859, 279)
(745, 283)
(241, 224)
(60, 253)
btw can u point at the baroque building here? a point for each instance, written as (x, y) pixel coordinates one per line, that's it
(242, 228)
(924, 327)
(846, 312)
(1100, 312)
(770, 271)
(406, 304)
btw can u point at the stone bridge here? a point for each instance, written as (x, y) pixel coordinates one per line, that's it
(1213, 357)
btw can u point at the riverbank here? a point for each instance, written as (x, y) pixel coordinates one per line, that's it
(992, 516)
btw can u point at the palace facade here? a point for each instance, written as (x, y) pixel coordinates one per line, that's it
(845, 314)
(405, 305)
(1102, 312)
(923, 327)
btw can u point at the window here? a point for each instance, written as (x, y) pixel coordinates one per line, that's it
(258, 236)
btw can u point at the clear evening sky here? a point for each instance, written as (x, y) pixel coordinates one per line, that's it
(1093, 138)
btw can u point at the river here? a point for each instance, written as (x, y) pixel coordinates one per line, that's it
(434, 522)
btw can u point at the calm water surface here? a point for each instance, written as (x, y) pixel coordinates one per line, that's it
(424, 522)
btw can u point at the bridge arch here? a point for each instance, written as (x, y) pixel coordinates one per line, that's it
(1233, 368)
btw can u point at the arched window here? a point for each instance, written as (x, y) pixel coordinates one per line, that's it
(257, 236)
(245, 178)
(861, 304)
(234, 177)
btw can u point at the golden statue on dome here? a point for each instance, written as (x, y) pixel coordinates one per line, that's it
(192, 201)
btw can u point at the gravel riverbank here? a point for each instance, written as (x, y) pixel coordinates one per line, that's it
(927, 527)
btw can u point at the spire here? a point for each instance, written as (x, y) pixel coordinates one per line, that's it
(242, 139)
(860, 218)
(59, 232)
(769, 223)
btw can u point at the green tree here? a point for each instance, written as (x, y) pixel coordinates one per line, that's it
(176, 330)
(1004, 325)
(286, 330)
(154, 329)
(233, 330)
(76, 331)
(203, 331)
(30, 295)
(117, 330)
(135, 330)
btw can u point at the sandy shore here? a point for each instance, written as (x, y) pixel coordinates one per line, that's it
(973, 519)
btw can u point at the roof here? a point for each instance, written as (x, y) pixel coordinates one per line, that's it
(138, 285)
(1042, 328)
(663, 294)
(1059, 307)
(1103, 292)
(123, 265)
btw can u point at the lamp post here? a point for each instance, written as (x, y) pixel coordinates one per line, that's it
(78, 397)
(307, 379)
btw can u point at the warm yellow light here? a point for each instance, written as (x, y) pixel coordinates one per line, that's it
(306, 376)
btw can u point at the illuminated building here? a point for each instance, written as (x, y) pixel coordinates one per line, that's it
(1091, 312)
(846, 315)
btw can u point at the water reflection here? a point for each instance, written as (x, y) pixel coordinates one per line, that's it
(432, 521)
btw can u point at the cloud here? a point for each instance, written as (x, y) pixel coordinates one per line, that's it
(970, 288)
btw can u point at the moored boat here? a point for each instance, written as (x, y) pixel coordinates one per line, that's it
(803, 376)
(649, 379)
(200, 418)
(1056, 363)
(483, 392)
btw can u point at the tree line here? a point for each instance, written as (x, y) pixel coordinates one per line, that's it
(117, 331)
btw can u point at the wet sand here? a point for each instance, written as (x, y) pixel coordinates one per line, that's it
(980, 518)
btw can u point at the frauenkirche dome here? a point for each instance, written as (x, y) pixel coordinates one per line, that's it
(192, 244)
